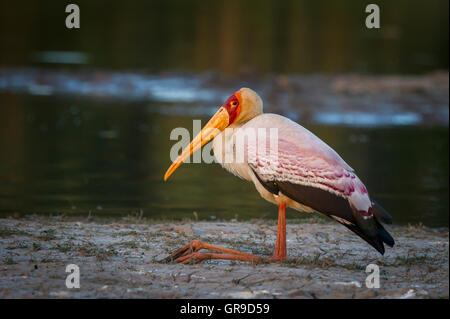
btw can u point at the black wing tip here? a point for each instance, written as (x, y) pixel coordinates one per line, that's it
(381, 213)
(383, 237)
(377, 243)
(372, 231)
(377, 240)
(386, 237)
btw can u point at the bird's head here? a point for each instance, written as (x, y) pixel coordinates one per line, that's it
(239, 108)
(242, 106)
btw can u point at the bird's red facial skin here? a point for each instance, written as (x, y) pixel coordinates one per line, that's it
(233, 107)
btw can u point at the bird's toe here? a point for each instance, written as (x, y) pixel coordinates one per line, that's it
(188, 249)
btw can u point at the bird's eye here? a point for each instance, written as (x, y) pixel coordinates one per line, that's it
(234, 103)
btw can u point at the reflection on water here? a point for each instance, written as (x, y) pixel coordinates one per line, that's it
(60, 155)
(333, 100)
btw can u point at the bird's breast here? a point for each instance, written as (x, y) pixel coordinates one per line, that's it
(224, 148)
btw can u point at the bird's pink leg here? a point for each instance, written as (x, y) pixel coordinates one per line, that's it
(280, 246)
(190, 252)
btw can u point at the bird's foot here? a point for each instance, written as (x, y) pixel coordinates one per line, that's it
(276, 259)
(188, 249)
(189, 254)
(198, 257)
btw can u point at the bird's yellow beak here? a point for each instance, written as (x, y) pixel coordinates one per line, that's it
(216, 124)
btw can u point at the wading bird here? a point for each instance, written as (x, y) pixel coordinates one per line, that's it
(303, 173)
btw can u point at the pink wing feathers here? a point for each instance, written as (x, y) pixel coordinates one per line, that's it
(302, 158)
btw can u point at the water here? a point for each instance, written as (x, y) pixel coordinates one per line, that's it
(108, 157)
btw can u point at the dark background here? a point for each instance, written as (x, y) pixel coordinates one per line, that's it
(233, 36)
(85, 114)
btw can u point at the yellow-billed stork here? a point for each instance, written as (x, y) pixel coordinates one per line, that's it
(303, 173)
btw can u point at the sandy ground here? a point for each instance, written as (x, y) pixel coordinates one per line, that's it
(120, 259)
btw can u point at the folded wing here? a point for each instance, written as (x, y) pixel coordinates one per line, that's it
(305, 169)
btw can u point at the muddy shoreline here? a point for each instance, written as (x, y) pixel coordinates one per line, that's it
(120, 259)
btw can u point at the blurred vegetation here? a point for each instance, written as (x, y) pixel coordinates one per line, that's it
(233, 36)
